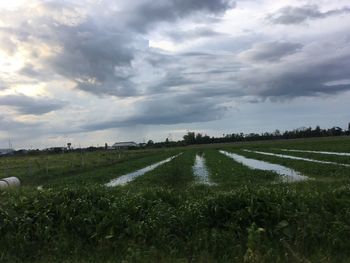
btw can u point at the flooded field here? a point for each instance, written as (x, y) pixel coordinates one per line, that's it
(124, 179)
(200, 170)
(297, 158)
(319, 152)
(287, 174)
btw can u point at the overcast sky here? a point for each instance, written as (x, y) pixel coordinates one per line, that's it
(96, 71)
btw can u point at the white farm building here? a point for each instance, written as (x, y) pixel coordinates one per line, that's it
(124, 145)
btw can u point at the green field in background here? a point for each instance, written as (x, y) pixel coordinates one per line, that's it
(165, 215)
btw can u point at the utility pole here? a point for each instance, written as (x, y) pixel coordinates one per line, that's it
(10, 144)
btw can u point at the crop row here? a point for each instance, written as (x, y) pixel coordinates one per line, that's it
(29, 167)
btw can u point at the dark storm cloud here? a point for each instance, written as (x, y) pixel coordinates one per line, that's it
(144, 14)
(30, 105)
(270, 51)
(296, 15)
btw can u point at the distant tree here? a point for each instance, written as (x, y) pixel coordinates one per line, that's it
(199, 138)
(150, 143)
(277, 133)
(206, 139)
(317, 131)
(69, 145)
(106, 146)
(190, 138)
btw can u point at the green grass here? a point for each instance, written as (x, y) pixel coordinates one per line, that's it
(332, 144)
(166, 216)
(174, 174)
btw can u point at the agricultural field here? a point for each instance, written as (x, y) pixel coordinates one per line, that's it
(272, 201)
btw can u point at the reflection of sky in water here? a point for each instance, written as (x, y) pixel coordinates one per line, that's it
(320, 152)
(124, 179)
(297, 158)
(200, 170)
(287, 174)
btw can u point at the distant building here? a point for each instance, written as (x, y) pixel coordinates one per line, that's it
(124, 145)
(6, 151)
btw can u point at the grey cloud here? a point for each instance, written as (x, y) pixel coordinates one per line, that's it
(296, 15)
(3, 86)
(170, 80)
(30, 105)
(93, 52)
(9, 124)
(166, 110)
(91, 55)
(104, 58)
(223, 43)
(200, 32)
(33, 72)
(144, 14)
(7, 45)
(270, 51)
(296, 79)
(86, 51)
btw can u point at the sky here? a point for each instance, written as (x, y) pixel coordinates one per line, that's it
(92, 72)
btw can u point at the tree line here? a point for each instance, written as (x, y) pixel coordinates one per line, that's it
(192, 138)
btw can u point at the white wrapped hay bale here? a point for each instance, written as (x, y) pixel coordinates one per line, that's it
(3, 185)
(9, 182)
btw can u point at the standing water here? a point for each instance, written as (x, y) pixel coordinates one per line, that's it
(123, 180)
(320, 152)
(200, 170)
(297, 158)
(288, 175)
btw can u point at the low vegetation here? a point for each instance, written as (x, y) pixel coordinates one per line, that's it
(166, 216)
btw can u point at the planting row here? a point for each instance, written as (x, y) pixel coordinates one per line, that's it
(229, 168)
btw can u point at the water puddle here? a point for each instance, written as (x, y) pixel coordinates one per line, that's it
(305, 151)
(297, 158)
(200, 170)
(124, 179)
(288, 175)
